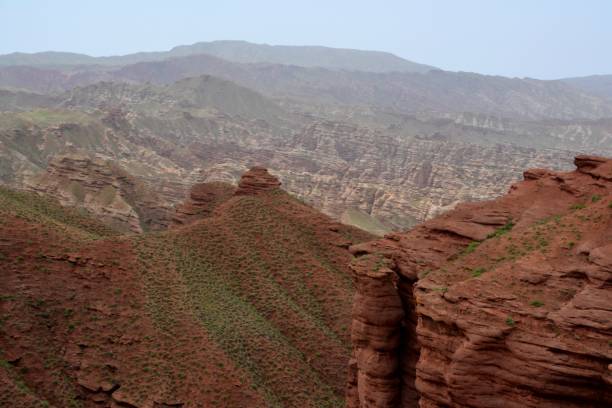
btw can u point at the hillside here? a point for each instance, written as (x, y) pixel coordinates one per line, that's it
(401, 92)
(501, 303)
(20, 101)
(196, 93)
(303, 56)
(248, 306)
(600, 85)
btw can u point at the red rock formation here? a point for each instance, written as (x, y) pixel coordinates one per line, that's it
(256, 180)
(505, 303)
(203, 199)
(375, 333)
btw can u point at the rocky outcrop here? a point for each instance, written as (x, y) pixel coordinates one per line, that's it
(203, 199)
(503, 303)
(376, 330)
(257, 180)
(104, 189)
(398, 180)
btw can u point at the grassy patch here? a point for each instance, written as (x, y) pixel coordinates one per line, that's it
(504, 229)
(265, 288)
(476, 272)
(471, 247)
(47, 212)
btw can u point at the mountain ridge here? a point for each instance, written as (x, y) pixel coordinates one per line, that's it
(241, 301)
(236, 51)
(436, 92)
(600, 85)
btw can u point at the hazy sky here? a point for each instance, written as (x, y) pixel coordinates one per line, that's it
(535, 38)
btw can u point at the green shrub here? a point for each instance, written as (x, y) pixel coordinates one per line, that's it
(471, 247)
(507, 227)
(476, 272)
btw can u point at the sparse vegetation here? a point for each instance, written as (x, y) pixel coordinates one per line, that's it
(251, 279)
(476, 272)
(507, 227)
(471, 247)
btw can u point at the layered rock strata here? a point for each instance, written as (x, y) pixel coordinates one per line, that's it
(104, 189)
(504, 303)
(257, 180)
(203, 199)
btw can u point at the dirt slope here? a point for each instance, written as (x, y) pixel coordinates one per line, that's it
(248, 307)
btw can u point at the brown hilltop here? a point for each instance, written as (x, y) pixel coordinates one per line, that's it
(202, 200)
(503, 303)
(205, 197)
(257, 180)
(249, 306)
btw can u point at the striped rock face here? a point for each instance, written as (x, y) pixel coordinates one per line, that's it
(256, 180)
(504, 303)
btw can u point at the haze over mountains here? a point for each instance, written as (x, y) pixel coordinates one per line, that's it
(600, 85)
(337, 77)
(237, 51)
(361, 135)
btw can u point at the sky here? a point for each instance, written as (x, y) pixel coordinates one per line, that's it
(544, 39)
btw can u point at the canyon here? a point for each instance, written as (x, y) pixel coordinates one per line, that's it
(377, 172)
(236, 224)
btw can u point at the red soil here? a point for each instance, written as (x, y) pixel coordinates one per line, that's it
(248, 307)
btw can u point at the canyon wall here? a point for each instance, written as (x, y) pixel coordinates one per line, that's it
(503, 303)
(374, 169)
(104, 189)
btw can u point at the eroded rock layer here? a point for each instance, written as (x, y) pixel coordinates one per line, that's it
(257, 180)
(203, 199)
(505, 303)
(103, 189)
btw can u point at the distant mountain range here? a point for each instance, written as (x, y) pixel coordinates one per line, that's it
(236, 51)
(399, 92)
(600, 85)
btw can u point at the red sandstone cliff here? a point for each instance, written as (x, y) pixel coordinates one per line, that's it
(202, 200)
(205, 197)
(506, 303)
(257, 180)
